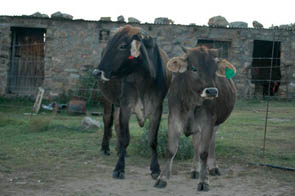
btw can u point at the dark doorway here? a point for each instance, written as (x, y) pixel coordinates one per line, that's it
(26, 71)
(266, 72)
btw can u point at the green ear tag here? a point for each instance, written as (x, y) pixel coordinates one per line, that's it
(229, 73)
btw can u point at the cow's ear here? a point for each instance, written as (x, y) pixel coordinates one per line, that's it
(225, 69)
(178, 64)
(149, 58)
(135, 48)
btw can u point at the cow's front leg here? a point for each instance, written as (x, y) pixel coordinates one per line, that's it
(153, 141)
(124, 138)
(213, 168)
(108, 112)
(117, 127)
(206, 133)
(173, 141)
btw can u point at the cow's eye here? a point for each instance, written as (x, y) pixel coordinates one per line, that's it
(194, 69)
(123, 46)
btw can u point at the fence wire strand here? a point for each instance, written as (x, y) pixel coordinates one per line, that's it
(86, 88)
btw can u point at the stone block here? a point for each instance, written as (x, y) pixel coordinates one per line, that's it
(39, 15)
(71, 70)
(218, 21)
(121, 18)
(105, 19)
(257, 24)
(59, 15)
(163, 20)
(285, 27)
(238, 24)
(74, 76)
(133, 20)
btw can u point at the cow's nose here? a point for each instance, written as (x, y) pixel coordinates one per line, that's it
(96, 72)
(210, 92)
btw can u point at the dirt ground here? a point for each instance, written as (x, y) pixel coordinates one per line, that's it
(236, 180)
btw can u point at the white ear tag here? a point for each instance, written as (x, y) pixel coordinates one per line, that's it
(135, 48)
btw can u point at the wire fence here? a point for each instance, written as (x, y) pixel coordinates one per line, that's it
(262, 125)
(262, 122)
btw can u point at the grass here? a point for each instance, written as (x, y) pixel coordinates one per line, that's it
(241, 137)
(46, 144)
(243, 133)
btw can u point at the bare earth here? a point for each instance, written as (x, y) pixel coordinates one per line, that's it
(236, 180)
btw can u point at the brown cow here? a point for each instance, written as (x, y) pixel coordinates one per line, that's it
(134, 59)
(200, 98)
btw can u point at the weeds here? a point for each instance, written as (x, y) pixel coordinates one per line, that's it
(185, 149)
(39, 123)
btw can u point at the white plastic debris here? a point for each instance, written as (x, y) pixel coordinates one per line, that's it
(88, 122)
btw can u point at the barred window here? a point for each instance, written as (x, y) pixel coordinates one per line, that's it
(222, 46)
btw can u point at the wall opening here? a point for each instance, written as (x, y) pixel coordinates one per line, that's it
(222, 46)
(26, 71)
(265, 71)
(104, 35)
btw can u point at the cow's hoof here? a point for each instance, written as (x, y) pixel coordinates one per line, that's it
(155, 175)
(106, 152)
(214, 172)
(195, 175)
(160, 184)
(202, 186)
(118, 175)
(126, 154)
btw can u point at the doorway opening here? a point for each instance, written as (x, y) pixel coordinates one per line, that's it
(265, 71)
(26, 71)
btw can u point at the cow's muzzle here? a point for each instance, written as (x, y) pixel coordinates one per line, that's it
(96, 73)
(210, 93)
(101, 74)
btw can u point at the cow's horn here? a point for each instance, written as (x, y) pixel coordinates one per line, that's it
(219, 74)
(184, 49)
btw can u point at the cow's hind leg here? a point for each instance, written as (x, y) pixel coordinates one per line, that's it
(195, 171)
(213, 168)
(108, 111)
(153, 141)
(173, 141)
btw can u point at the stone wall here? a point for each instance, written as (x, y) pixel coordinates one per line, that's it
(4, 55)
(73, 47)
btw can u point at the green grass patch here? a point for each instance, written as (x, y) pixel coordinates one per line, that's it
(39, 123)
(59, 145)
(141, 146)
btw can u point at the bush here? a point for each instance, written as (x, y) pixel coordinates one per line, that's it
(185, 149)
(39, 123)
(6, 120)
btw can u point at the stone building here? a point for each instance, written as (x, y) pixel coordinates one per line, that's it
(55, 53)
